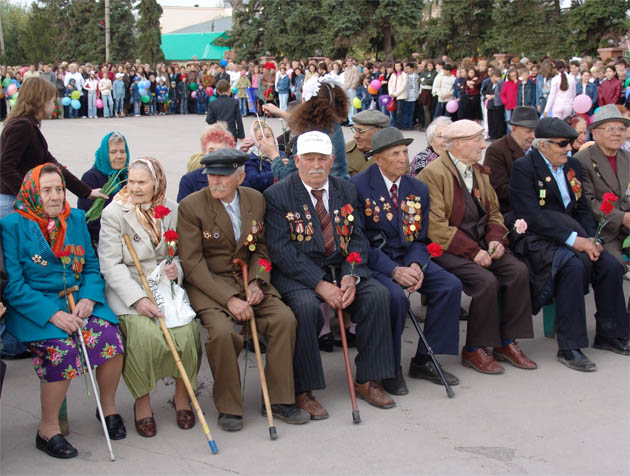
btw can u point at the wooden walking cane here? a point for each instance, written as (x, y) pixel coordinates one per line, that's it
(169, 341)
(67, 293)
(356, 417)
(261, 370)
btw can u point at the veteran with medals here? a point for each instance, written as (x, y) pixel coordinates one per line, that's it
(217, 225)
(312, 225)
(396, 209)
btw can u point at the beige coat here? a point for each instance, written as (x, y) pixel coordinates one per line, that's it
(123, 286)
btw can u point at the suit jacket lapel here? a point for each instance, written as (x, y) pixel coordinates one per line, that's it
(222, 219)
(548, 180)
(623, 173)
(302, 198)
(377, 185)
(132, 221)
(246, 219)
(605, 169)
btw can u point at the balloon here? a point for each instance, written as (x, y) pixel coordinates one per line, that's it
(193, 86)
(582, 103)
(145, 99)
(391, 106)
(146, 84)
(376, 84)
(12, 102)
(234, 90)
(595, 111)
(223, 63)
(194, 94)
(99, 103)
(356, 102)
(211, 98)
(23, 70)
(452, 106)
(76, 104)
(75, 95)
(384, 99)
(372, 90)
(12, 89)
(142, 91)
(14, 81)
(65, 101)
(6, 82)
(209, 91)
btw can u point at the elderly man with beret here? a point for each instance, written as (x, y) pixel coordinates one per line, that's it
(216, 225)
(560, 250)
(396, 210)
(366, 124)
(606, 169)
(465, 220)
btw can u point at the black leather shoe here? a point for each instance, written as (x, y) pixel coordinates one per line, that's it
(613, 344)
(252, 349)
(576, 360)
(288, 413)
(115, 426)
(427, 371)
(396, 385)
(57, 447)
(230, 422)
(327, 342)
(351, 338)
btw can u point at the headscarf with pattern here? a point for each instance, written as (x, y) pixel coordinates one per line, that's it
(144, 212)
(29, 204)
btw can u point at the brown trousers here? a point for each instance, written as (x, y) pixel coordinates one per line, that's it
(276, 322)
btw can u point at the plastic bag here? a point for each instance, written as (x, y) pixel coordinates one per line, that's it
(171, 299)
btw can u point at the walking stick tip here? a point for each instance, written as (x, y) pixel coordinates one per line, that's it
(450, 393)
(213, 447)
(356, 417)
(273, 434)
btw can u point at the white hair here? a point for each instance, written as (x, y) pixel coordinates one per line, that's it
(440, 120)
(537, 142)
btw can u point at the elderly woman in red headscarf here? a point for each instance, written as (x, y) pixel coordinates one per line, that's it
(48, 253)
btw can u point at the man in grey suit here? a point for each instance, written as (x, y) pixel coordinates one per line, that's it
(312, 226)
(606, 169)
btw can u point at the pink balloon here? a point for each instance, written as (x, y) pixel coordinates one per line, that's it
(194, 94)
(376, 84)
(99, 103)
(452, 106)
(23, 70)
(11, 89)
(209, 91)
(582, 104)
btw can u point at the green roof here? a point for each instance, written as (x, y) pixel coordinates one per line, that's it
(183, 46)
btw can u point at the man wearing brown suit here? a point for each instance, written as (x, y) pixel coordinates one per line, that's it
(216, 225)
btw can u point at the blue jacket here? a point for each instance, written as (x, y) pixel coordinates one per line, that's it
(191, 182)
(526, 94)
(370, 185)
(365, 97)
(284, 84)
(258, 173)
(118, 89)
(32, 293)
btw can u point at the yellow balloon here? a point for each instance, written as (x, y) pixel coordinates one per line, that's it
(356, 102)
(75, 95)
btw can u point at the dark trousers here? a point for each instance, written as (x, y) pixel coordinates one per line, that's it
(369, 310)
(507, 274)
(441, 326)
(611, 315)
(496, 122)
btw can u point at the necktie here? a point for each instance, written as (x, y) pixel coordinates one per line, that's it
(324, 221)
(394, 193)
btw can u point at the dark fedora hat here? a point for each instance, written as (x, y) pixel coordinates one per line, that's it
(388, 138)
(524, 116)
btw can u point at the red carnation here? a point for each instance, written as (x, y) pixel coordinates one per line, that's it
(435, 250)
(63, 253)
(264, 264)
(354, 257)
(170, 235)
(609, 197)
(606, 207)
(161, 211)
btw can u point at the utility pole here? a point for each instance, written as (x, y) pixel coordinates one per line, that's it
(1, 38)
(108, 38)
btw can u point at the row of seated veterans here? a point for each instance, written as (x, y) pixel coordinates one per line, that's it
(306, 225)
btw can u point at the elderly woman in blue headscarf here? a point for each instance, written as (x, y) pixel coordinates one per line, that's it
(110, 160)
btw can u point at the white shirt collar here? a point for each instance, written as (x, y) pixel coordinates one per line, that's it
(388, 182)
(234, 204)
(325, 188)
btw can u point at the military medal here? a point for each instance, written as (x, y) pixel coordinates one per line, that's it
(547, 179)
(309, 231)
(337, 219)
(136, 238)
(368, 208)
(477, 194)
(252, 247)
(376, 218)
(307, 212)
(207, 235)
(216, 235)
(299, 230)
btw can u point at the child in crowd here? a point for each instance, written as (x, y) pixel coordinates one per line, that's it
(172, 98)
(201, 99)
(91, 86)
(182, 94)
(258, 172)
(526, 89)
(362, 93)
(72, 112)
(135, 96)
(152, 95)
(241, 91)
(161, 94)
(443, 88)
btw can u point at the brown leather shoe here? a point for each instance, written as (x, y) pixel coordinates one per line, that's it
(185, 419)
(374, 394)
(481, 362)
(306, 401)
(145, 427)
(513, 354)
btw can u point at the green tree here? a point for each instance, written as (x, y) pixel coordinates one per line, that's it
(123, 31)
(590, 20)
(150, 37)
(14, 19)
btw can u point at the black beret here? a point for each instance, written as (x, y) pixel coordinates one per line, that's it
(223, 161)
(553, 127)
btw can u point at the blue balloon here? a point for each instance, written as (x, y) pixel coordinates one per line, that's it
(146, 84)
(76, 104)
(143, 92)
(66, 101)
(223, 63)
(14, 81)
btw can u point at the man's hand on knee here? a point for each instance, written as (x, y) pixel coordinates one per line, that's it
(240, 309)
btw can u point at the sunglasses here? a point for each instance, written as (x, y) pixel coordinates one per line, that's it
(562, 143)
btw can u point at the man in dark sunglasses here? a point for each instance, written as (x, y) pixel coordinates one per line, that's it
(561, 250)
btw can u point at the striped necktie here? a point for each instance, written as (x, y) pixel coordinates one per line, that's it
(324, 221)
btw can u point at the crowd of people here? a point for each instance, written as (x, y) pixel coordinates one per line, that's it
(323, 225)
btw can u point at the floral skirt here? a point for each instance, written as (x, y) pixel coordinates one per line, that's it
(62, 359)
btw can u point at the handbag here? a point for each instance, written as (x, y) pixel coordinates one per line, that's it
(171, 299)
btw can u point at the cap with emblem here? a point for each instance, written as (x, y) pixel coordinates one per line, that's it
(314, 142)
(223, 161)
(388, 138)
(371, 118)
(463, 129)
(554, 127)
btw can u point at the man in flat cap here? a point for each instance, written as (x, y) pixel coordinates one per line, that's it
(502, 154)
(465, 220)
(216, 225)
(396, 210)
(606, 169)
(366, 124)
(560, 250)
(312, 228)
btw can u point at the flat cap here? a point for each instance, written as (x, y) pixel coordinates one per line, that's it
(550, 127)
(371, 118)
(463, 129)
(388, 138)
(223, 161)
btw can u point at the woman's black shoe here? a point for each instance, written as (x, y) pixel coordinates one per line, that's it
(57, 446)
(327, 342)
(115, 426)
(351, 338)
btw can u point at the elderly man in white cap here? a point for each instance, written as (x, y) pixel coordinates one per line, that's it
(606, 169)
(465, 220)
(312, 228)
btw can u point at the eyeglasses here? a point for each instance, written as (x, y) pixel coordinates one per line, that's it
(612, 129)
(361, 131)
(562, 143)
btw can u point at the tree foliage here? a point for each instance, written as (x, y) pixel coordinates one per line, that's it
(590, 21)
(149, 37)
(123, 31)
